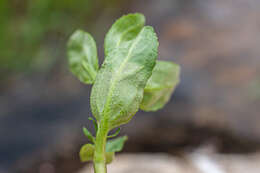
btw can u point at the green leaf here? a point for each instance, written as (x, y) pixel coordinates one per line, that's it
(125, 28)
(115, 134)
(94, 122)
(82, 56)
(160, 86)
(86, 152)
(118, 88)
(110, 157)
(116, 145)
(88, 135)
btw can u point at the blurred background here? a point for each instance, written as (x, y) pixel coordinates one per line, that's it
(43, 107)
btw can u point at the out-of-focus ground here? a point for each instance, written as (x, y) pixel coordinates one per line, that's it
(197, 162)
(43, 107)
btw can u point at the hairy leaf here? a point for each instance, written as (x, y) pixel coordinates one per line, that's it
(88, 134)
(160, 86)
(82, 56)
(86, 152)
(118, 88)
(124, 29)
(116, 145)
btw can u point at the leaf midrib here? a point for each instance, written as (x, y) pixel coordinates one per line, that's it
(115, 78)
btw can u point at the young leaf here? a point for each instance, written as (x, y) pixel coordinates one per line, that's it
(115, 134)
(118, 88)
(116, 145)
(86, 152)
(160, 86)
(82, 56)
(110, 157)
(94, 122)
(88, 135)
(124, 29)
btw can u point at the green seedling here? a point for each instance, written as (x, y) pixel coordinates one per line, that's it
(129, 78)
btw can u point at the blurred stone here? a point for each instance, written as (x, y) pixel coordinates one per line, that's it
(143, 163)
(197, 162)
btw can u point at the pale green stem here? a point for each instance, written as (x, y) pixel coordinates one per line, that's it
(100, 146)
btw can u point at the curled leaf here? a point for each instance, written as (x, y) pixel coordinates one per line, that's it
(160, 86)
(82, 56)
(86, 152)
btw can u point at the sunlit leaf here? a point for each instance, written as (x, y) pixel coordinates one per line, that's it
(125, 28)
(82, 56)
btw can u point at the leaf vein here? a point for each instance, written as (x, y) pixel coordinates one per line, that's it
(114, 79)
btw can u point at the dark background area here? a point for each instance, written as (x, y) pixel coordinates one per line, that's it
(43, 107)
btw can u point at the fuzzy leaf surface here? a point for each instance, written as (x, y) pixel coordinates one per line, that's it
(88, 134)
(116, 145)
(82, 56)
(124, 29)
(118, 88)
(160, 86)
(110, 157)
(86, 152)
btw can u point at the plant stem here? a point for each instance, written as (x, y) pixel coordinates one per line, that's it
(100, 146)
(100, 167)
